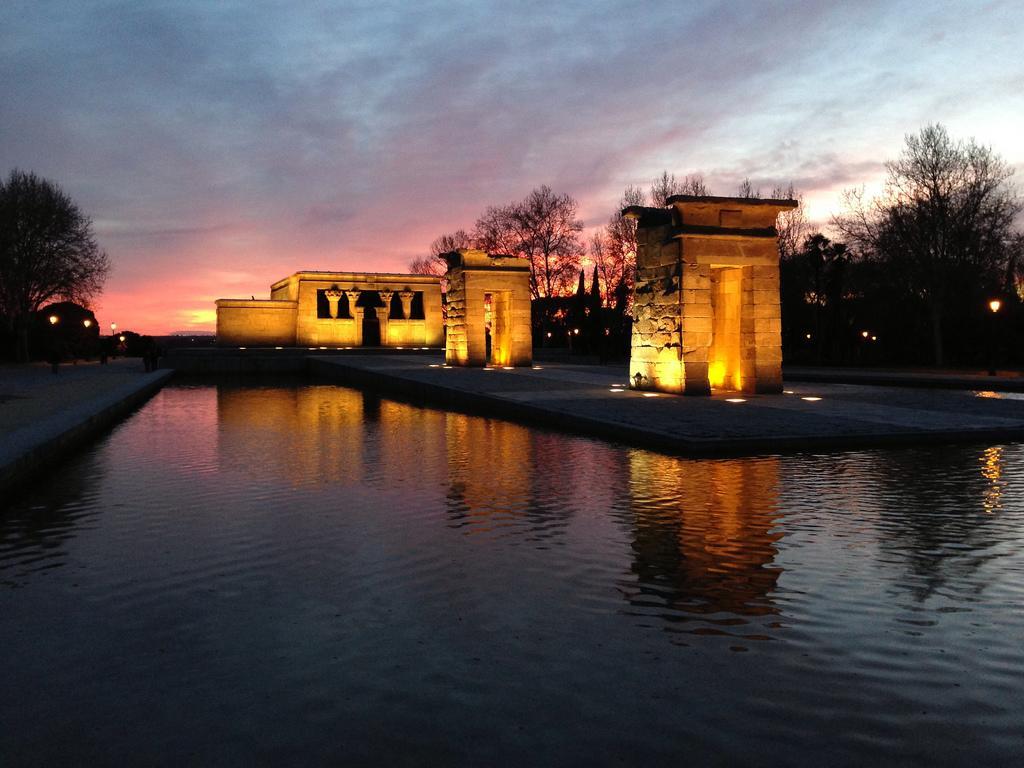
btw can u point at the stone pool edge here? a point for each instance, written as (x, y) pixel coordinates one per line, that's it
(31, 451)
(343, 372)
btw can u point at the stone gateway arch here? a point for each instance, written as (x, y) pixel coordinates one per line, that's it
(706, 304)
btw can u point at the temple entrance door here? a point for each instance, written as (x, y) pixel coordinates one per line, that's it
(724, 368)
(500, 352)
(371, 327)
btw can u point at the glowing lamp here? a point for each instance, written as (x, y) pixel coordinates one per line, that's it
(865, 334)
(576, 331)
(121, 338)
(995, 304)
(87, 323)
(54, 319)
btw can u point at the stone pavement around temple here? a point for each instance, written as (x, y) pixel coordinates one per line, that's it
(596, 400)
(44, 416)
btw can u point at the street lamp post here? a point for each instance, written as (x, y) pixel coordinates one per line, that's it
(994, 306)
(54, 344)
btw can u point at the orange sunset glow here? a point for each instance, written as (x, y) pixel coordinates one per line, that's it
(218, 150)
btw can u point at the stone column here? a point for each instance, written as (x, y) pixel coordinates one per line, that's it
(357, 313)
(384, 314)
(697, 324)
(761, 330)
(333, 297)
(406, 298)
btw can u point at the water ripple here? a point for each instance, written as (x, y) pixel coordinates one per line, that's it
(307, 574)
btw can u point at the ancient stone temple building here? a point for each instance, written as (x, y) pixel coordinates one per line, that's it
(706, 307)
(488, 310)
(337, 309)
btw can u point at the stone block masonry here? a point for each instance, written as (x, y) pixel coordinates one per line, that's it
(706, 303)
(488, 318)
(337, 309)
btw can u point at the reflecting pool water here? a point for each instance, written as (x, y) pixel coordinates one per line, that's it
(302, 574)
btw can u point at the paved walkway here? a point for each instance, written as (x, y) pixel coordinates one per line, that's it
(595, 400)
(43, 415)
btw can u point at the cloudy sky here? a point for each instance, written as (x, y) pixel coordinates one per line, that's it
(219, 146)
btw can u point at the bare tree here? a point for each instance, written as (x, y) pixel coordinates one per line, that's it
(542, 228)
(433, 264)
(663, 188)
(666, 185)
(549, 236)
(791, 224)
(947, 212)
(693, 185)
(497, 231)
(47, 252)
(614, 249)
(747, 189)
(427, 265)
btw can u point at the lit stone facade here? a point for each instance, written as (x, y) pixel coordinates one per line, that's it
(488, 307)
(337, 309)
(706, 304)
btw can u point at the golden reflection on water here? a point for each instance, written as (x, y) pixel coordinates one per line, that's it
(296, 434)
(992, 471)
(702, 533)
(705, 536)
(489, 463)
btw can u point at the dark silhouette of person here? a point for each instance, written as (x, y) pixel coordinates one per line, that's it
(55, 352)
(149, 354)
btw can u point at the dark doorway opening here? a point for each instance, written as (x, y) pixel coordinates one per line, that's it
(371, 327)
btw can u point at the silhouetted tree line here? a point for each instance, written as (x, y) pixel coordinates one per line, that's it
(908, 281)
(542, 227)
(47, 253)
(920, 264)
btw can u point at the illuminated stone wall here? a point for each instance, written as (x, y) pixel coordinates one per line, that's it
(291, 316)
(706, 304)
(258, 322)
(488, 294)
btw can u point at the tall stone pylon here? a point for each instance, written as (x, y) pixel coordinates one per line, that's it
(706, 300)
